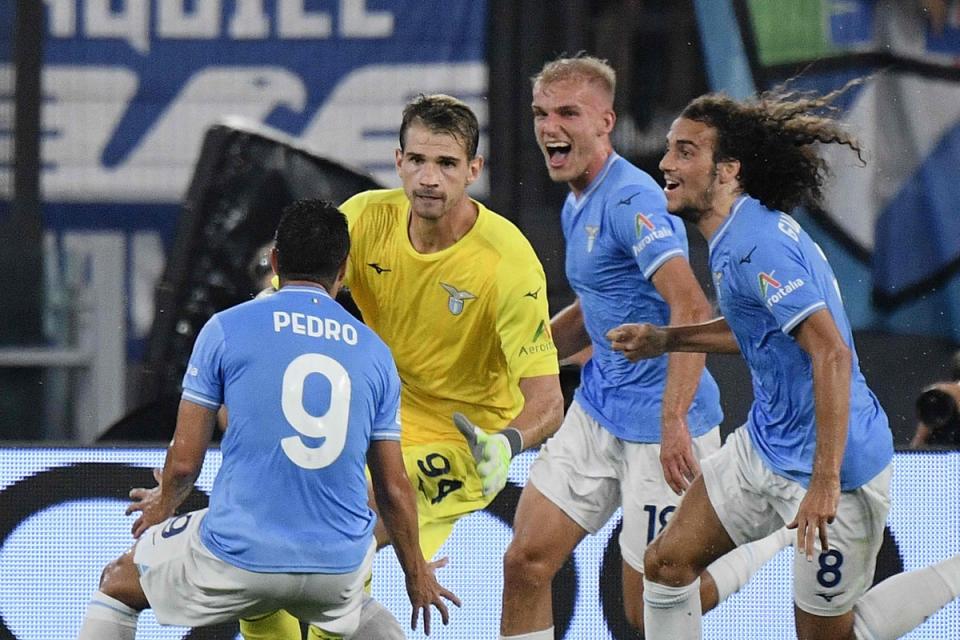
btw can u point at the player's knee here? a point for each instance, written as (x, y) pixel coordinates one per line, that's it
(112, 577)
(523, 565)
(120, 581)
(663, 565)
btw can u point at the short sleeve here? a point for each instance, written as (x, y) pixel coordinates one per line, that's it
(353, 206)
(352, 209)
(643, 227)
(523, 320)
(203, 379)
(778, 275)
(386, 424)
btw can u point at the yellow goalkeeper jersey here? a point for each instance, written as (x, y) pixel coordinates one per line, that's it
(464, 324)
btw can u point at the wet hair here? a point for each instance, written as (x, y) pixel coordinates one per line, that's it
(774, 137)
(579, 67)
(312, 242)
(441, 113)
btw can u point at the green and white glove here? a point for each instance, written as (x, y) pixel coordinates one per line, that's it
(492, 452)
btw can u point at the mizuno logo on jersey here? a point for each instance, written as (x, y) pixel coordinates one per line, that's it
(830, 596)
(592, 231)
(745, 259)
(532, 294)
(457, 298)
(376, 267)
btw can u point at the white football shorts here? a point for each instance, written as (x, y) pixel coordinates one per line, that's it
(588, 472)
(753, 502)
(187, 585)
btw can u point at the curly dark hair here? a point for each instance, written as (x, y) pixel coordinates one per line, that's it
(312, 241)
(774, 137)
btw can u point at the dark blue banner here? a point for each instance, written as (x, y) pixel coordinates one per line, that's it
(131, 86)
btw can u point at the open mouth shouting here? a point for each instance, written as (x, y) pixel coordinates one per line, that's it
(557, 153)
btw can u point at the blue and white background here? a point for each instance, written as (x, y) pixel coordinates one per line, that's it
(891, 228)
(72, 524)
(130, 87)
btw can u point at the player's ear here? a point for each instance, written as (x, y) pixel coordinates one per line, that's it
(608, 119)
(474, 167)
(338, 281)
(398, 157)
(274, 261)
(728, 171)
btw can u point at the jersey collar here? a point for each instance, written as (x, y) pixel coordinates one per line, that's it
(578, 203)
(726, 223)
(299, 288)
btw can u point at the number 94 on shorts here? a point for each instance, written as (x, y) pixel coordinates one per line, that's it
(444, 477)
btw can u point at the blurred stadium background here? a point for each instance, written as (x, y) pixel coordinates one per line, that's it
(146, 147)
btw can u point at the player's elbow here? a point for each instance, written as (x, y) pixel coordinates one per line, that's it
(837, 356)
(551, 416)
(694, 310)
(181, 470)
(393, 494)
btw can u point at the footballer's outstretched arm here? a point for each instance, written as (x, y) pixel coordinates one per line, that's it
(184, 460)
(677, 285)
(640, 341)
(540, 418)
(396, 504)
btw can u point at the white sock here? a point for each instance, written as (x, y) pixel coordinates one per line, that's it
(377, 622)
(731, 571)
(543, 634)
(108, 619)
(671, 613)
(902, 602)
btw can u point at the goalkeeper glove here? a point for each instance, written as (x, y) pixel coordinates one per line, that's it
(492, 452)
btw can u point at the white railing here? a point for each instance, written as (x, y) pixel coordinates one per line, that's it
(86, 320)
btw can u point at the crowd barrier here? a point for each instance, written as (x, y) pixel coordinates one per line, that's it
(61, 521)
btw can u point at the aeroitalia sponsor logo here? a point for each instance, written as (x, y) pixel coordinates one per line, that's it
(767, 281)
(543, 329)
(648, 239)
(642, 222)
(539, 344)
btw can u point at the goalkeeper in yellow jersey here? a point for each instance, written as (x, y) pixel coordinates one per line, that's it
(457, 293)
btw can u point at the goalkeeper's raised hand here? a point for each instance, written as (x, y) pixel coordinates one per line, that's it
(492, 452)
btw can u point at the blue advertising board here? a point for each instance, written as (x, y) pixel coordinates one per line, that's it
(130, 87)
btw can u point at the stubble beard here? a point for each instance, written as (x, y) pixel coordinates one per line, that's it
(695, 212)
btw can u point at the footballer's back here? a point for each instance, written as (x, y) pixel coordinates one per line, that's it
(306, 387)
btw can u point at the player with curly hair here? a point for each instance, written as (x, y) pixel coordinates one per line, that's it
(816, 448)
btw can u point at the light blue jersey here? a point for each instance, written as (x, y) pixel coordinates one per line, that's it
(618, 234)
(770, 276)
(307, 387)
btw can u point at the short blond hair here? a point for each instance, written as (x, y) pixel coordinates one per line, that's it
(579, 67)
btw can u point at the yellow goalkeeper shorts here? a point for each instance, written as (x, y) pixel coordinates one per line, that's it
(445, 479)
